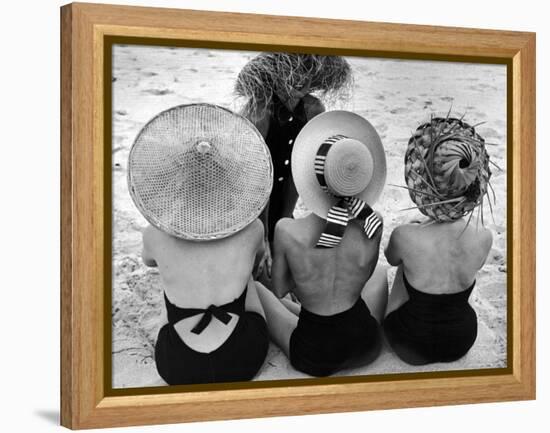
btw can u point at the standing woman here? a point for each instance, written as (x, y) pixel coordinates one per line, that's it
(278, 91)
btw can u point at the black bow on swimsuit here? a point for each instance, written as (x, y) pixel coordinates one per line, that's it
(239, 357)
(220, 312)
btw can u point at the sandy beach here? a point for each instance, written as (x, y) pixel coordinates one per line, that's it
(394, 95)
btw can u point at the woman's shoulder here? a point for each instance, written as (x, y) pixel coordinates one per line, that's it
(151, 233)
(284, 226)
(405, 230)
(313, 106)
(251, 234)
(482, 235)
(288, 230)
(254, 229)
(259, 117)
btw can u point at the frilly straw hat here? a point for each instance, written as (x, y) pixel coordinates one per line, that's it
(199, 172)
(353, 166)
(447, 169)
(268, 74)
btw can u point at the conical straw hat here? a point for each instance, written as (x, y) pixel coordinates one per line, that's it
(199, 172)
(355, 165)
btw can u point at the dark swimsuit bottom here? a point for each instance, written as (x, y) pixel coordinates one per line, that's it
(239, 358)
(322, 345)
(432, 328)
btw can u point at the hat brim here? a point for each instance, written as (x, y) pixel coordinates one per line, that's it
(307, 143)
(185, 199)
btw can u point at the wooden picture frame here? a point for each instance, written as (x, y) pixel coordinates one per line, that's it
(85, 221)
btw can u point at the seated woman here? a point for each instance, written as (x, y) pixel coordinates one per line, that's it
(201, 176)
(429, 318)
(328, 258)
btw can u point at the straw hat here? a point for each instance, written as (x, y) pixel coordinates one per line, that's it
(355, 164)
(199, 172)
(447, 169)
(328, 77)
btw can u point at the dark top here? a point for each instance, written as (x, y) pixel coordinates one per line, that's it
(432, 328)
(284, 127)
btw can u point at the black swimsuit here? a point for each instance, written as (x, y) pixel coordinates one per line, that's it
(432, 328)
(239, 358)
(322, 345)
(284, 127)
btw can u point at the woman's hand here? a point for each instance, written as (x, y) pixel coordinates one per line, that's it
(147, 252)
(266, 262)
(262, 272)
(268, 259)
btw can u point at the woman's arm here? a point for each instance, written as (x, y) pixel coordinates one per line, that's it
(487, 243)
(392, 252)
(260, 245)
(281, 276)
(146, 252)
(259, 117)
(313, 106)
(290, 197)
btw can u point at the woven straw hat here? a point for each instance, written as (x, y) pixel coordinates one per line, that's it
(355, 165)
(199, 172)
(447, 169)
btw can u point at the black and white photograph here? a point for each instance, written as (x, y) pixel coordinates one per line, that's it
(283, 216)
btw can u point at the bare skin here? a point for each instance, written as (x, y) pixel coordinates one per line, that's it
(200, 274)
(437, 258)
(325, 281)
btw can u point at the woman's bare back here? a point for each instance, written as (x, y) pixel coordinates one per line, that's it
(198, 274)
(328, 281)
(440, 257)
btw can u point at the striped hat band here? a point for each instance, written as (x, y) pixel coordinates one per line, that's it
(347, 207)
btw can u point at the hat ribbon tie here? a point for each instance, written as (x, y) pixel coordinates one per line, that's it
(345, 209)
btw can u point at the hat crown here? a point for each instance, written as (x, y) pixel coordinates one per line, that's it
(203, 147)
(348, 167)
(307, 146)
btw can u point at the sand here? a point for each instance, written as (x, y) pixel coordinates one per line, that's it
(394, 95)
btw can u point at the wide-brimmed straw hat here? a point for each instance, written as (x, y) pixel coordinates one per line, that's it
(354, 166)
(199, 172)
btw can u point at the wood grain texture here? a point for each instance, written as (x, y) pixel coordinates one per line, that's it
(84, 403)
(524, 154)
(67, 388)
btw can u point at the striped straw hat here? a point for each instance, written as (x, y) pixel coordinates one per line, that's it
(339, 169)
(355, 166)
(199, 172)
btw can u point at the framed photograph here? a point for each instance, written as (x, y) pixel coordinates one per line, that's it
(265, 215)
